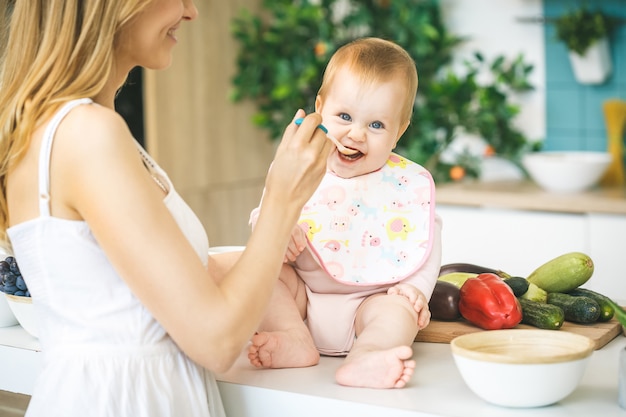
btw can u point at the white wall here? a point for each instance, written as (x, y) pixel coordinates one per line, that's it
(493, 29)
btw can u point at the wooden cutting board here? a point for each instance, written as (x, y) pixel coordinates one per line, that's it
(445, 331)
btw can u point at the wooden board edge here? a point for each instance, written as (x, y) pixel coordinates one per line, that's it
(613, 329)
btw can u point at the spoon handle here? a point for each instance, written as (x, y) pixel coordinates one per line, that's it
(333, 139)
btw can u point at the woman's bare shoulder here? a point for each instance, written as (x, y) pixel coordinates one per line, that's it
(93, 137)
(93, 156)
(93, 126)
(94, 143)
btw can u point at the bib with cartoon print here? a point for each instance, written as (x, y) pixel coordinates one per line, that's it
(375, 228)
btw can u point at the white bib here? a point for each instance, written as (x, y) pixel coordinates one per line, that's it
(375, 228)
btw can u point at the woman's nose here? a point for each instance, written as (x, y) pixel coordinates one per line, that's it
(191, 11)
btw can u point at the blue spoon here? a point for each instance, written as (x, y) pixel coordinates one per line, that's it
(340, 147)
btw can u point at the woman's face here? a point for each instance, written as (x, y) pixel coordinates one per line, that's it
(147, 40)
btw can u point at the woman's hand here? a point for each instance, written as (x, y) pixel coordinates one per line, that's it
(299, 163)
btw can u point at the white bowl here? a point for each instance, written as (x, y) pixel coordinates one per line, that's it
(7, 318)
(24, 311)
(522, 367)
(223, 249)
(566, 171)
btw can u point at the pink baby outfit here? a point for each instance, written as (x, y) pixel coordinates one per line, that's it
(104, 354)
(366, 234)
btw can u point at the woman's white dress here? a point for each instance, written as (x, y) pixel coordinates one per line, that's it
(104, 353)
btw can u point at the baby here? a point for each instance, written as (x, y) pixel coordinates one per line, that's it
(363, 261)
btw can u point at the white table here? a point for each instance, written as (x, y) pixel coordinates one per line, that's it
(435, 390)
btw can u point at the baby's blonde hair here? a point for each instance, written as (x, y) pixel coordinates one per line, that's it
(375, 60)
(51, 51)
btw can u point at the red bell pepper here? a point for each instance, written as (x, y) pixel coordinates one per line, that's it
(489, 303)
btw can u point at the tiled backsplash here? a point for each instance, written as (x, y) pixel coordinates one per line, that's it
(574, 119)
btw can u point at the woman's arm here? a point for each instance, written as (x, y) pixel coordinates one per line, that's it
(98, 174)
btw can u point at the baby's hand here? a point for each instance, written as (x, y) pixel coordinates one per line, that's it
(296, 244)
(417, 299)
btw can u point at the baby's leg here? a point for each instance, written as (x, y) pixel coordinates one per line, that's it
(386, 326)
(283, 340)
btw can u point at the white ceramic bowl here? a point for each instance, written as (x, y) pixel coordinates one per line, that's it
(7, 318)
(522, 367)
(24, 311)
(223, 249)
(566, 171)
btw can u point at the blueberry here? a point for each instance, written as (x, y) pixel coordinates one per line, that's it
(10, 289)
(8, 279)
(19, 283)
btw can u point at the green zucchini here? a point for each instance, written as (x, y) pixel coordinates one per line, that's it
(541, 315)
(519, 285)
(535, 293)
(563, 273)
(620, 313)
(606, 310)
(576, 309)
(457, 278)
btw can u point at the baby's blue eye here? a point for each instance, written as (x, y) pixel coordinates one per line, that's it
(377, 125)
(345, 116)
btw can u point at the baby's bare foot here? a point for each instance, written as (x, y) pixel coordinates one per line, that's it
(391, 368)
(282, 349)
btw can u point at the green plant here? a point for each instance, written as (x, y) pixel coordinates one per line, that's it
(285, 48)
(581, 27)
(453, 101)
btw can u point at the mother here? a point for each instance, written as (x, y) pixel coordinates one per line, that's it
(134, 315)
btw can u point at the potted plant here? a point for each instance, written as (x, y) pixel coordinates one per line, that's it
(284, 50)
(586, 35)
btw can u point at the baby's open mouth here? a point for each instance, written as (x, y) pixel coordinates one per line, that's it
(351, 157)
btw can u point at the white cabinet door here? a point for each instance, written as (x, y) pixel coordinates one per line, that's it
(607, 237)
(514, 241)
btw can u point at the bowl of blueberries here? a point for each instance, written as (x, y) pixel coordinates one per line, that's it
(17, 295)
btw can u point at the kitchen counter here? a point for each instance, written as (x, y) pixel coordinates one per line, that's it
(526, 195)
(436, 389)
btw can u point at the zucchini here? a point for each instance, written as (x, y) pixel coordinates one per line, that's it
(457, 278)
(606, 310)
(620, 313)
(535, 293)
(519, 285)
(576, 309)
(563, 273)
(471, 268)
(541, 315)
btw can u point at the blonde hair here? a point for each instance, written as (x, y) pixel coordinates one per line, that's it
(52, 51)
(375, 60)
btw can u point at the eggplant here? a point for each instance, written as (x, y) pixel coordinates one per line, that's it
(472, 268)
(444, 302)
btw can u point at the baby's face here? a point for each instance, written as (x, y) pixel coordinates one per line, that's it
(364, 117)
